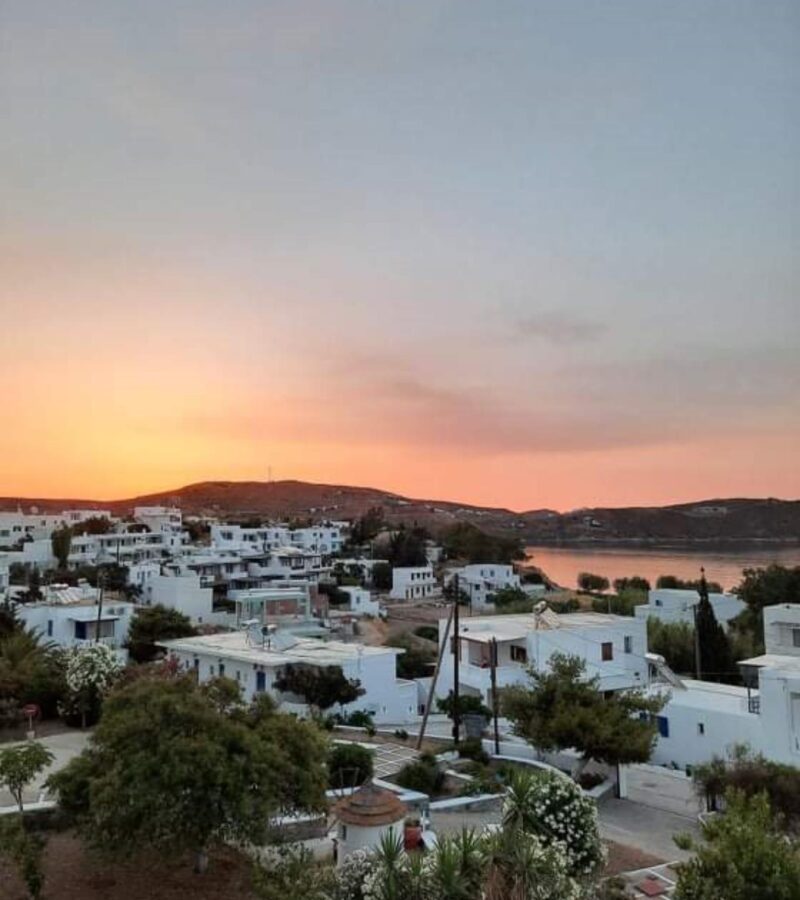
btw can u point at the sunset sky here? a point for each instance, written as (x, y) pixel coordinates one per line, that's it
(516, 253)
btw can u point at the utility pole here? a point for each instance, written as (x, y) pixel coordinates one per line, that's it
(432, 690)
(101, 583)
(495, 703)
(456, 655)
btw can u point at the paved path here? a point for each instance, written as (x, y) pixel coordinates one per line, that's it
(64, 747)
(645, 828)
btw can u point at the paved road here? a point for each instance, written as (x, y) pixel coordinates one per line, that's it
(64, 747)
(647, 829)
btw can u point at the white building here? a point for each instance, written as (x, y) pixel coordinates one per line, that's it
(703, 719)
(480, 580)
(68, 616)
(365, 818)
(34, 526)
(256, 660)
(412, 583)
(672, 605)
(161, 519)
(361, 602)
(613, 647)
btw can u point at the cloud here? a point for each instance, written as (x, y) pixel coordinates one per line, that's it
(559, 327)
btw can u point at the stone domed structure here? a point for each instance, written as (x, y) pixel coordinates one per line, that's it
(365, 816)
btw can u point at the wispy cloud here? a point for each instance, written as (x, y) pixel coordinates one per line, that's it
(559, 327)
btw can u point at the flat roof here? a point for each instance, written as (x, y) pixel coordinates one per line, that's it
(773, 661)
(311, 651)
(516, 627)
(708, 695)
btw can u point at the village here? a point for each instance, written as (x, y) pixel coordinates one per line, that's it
(437, 671)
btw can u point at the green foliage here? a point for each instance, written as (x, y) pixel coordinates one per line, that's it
(674, 641)
(89, 674)
(428, 632)
(466, 541)
(407, 547)
(382, 576)
(472, 748)
(368, 527)
(416, 661)
(634, 583)
(555, 809)
(517, 607)
(715, 652)
(24, 850)
(752, 774)
(18, 573)
(563, 708)
(93, 525)
(291, 873)
(423, 775)
(743, 856)
(153, 624)
(572, 604)
(320, 687)
(168, 771)
(349, 765)
(31, 672)
(590, 582)
(467, 705)
(623, 604)
(359, 718)
(20, 765)
(765, 587)
(508, 595)
(672, 582)
(60, 542)
(336, 596)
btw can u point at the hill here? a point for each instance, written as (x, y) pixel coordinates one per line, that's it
(718, 520)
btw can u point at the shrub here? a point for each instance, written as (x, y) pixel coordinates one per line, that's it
(359, 718)
(423, 775)
(472, 748)
(428, 632)
(349, 765)
(401, 734)
(590, 582)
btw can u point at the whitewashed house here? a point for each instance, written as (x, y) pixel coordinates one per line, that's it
(703, 719)
(255, 660)
(5, 580)
(412, 583)
(361, 602)
(73, 617)
(613, 647)
(672, 605)
(479, 581)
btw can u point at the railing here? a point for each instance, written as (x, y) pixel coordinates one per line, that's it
(754, 705)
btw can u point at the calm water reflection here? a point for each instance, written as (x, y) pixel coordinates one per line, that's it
(563, 564)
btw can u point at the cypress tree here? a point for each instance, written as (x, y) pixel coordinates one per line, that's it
(716, 662)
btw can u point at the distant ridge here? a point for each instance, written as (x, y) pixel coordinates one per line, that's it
(716, 520)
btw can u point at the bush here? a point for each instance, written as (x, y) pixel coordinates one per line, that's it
(423, 775)
(401, 734)
(472, 748)
(428, 632)
(349, 765)
(589, 780)
(360, 718)
(589, 582)
(416, 662)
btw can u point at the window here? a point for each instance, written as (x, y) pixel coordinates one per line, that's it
(658, 602)
(80, 631)
(261, 682)
(519, 654)
(663, 726)
(628, 644)
(49, 627)
(607, 651)
(701, 728)
(796, 637)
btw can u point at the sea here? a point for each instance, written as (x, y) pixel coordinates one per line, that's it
(563, 564)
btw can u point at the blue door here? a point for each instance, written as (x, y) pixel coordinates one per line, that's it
(261, 682)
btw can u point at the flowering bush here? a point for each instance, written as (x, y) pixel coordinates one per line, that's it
(555, 810)
(90, 673)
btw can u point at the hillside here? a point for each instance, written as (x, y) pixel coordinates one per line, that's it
(717, 520)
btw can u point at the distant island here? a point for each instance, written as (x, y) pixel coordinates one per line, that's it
(704, 521)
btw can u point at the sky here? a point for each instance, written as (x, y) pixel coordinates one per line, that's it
(530, 254)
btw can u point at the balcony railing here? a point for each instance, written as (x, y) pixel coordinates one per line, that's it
(754, 705)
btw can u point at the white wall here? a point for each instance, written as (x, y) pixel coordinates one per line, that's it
(671, 605)
(183, 593)
(412, 583)
(782, 629)
(356, 837)
(361, 601)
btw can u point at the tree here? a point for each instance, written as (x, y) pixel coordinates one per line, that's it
(467, 706)
(564, 709)
(634, 583)
(93, 525)
(30, 671)
(589, 582)
(24, 849)
(423, 775)
(416, 661)
(349, 765)
(672, 582)
(61, 541)
(407, 547)
(743, 856)
(674, 641)
(168, 772)
(90, 674)
(752, 774)
(368, 527)
(382, 576)
(468, 542)
(715, 663)
(33, 591)
(319, 686)
(151, 625)
(507, 596)
(765, 587)
(20, 765)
